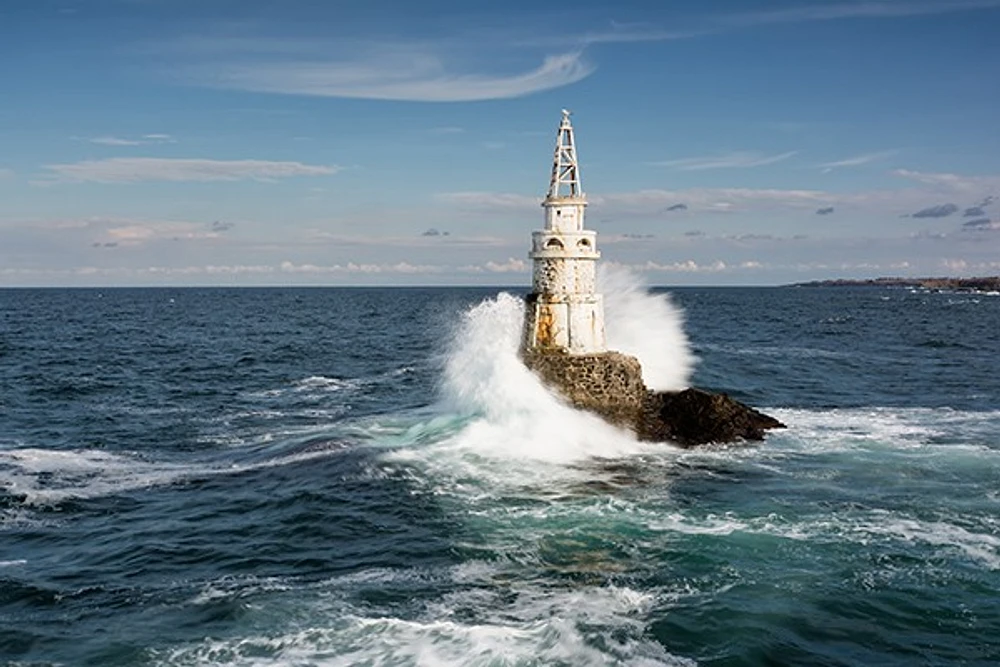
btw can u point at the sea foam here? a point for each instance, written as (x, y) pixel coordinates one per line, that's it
(648, 326)
(513, 415)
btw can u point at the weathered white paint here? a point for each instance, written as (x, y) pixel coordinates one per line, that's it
(565, 312)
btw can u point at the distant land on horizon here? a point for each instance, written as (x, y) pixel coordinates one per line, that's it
(984, 284)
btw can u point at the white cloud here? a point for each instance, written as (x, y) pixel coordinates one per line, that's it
(657, 202)
(115, 141)
(133, 170)
(415, 241)
(852, 10)
(731, 160)
(653, 201)
(413, 76)
(352, 267)
(805, 13)
(144, 140)
(6, 173)
(135, 233)
(974, 186)
(490, 200)
(512, 265)
(687, 266)
(857, 160)
(109, 232)
(711, 199)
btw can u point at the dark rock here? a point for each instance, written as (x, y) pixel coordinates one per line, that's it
(696, 417)
(610, 385)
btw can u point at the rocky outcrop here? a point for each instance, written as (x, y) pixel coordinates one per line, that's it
(610, 384)
(696, 417)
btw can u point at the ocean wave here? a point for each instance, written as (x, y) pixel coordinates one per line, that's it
(477, 623)
(907, 428)
(37, 477)
(513, 416)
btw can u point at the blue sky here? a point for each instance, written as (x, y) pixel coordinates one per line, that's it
(217, 142)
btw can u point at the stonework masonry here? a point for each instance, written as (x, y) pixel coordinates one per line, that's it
(608, 383)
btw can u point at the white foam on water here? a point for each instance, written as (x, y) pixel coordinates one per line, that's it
(981, 547)
(865, 529)
(228, 588)
(323, 383)
(647, 326)
(710, 525)
(480, 623)
(935, 430)
(512, 420)
(313, 386)
(45, 477)
(513, 416)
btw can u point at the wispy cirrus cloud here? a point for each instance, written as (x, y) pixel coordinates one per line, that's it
(687, 266)
(146, 169)
(490, 200)
(711, 200)
(459, 67)
(446, 129)
(60, 234)
(857, 160)
(652, 202)
(973, 186)
(933, 188)
(740, 159)
(713, 24)
(286, 268)
(144, 140)
(353, 267)
(421, 240)
(856, 10)
(404, 75)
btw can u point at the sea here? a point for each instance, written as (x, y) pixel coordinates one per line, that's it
(368, 476)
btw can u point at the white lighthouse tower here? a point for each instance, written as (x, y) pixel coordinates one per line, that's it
(564, 311)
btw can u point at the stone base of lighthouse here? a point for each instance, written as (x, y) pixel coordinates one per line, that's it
(607, 383)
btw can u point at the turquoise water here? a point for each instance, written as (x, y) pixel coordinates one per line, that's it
(367, 477)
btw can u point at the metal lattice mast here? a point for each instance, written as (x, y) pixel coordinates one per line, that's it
(565, 181)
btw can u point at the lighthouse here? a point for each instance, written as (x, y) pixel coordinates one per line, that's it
(563, 342)
(564, 311)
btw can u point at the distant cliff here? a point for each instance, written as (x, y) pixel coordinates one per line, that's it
(985, 284)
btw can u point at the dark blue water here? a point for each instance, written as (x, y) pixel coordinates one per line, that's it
(357, 476)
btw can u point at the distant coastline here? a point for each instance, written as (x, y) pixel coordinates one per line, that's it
(983, 284)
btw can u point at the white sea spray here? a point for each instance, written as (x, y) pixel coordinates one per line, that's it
(647, 326)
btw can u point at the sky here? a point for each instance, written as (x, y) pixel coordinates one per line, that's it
(302, 142)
